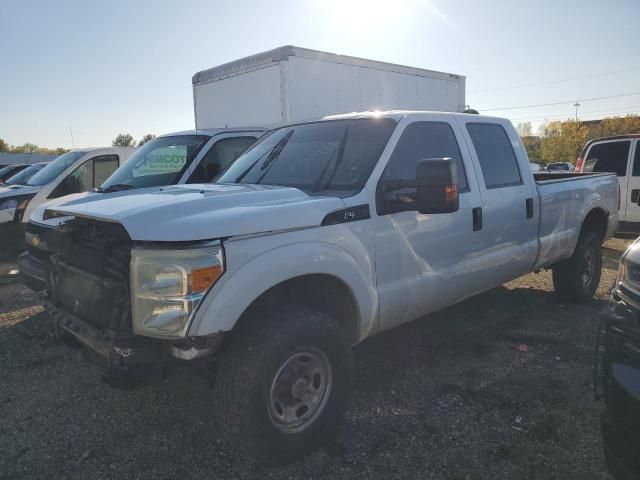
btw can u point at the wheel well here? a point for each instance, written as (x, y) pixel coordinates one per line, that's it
(322, 292)
(596, 221)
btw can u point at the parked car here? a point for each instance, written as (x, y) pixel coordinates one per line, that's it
(536, 167)
(617, 369)
(180, 157)
(23, 176)
(621, 155)
(9, 171)
(319, 236)
(74, 171)
(560, 167)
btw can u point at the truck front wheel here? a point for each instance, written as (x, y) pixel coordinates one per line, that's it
(578, 277)
(283, 383)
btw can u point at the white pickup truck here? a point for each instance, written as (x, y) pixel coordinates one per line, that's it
(319, 236)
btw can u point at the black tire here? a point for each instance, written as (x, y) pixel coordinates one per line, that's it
(264, 346)
(578, 277)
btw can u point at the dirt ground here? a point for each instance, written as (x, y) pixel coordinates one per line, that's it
(450, 396)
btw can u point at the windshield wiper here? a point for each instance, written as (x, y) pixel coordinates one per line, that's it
(116, 187)
(273, 155)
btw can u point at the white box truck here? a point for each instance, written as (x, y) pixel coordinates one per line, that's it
(292, 84)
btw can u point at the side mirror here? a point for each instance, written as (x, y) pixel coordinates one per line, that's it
(437, 186)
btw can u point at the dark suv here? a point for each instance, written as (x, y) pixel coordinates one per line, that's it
(617, 369)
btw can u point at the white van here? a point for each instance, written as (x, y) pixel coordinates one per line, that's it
(621, 155)
(191, 156)
(76, 171)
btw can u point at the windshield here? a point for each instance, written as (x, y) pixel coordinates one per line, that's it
(55, 168)
(7, 171)
(160, 161)
(321, 156)
(21, 177)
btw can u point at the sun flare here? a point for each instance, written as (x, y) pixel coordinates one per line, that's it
(364, 16)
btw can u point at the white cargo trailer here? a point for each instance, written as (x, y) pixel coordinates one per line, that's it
(291, 84)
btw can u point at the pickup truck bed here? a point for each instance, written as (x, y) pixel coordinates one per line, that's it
(562, 198)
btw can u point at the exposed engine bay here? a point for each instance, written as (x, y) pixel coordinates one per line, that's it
(90, 274)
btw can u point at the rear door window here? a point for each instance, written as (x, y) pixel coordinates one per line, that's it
(496, 156)
(608, 157)
(219, 157)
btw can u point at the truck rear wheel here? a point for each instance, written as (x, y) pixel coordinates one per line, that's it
(578, 277)
(283, 383)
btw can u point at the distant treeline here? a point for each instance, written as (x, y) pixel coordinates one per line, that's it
(556, 141)
(563, 141)
(30, 148)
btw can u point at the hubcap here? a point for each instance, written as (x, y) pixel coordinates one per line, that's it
(588, 267)
(300, 390)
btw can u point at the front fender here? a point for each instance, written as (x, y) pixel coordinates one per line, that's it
(225, 303)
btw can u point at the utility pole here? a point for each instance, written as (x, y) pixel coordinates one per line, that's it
(576, 105)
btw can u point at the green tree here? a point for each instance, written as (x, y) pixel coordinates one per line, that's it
(532, 145)
(4, 146)
(25, 148)
(123, 140)
(146, 138)
(563, 141)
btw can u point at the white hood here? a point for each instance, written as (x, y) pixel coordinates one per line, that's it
(207, 211)
(15, 190)
(38, 214)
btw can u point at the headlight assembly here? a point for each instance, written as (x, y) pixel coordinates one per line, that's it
(622, 273)
(168, 283)
(15, 207)
(22, 206)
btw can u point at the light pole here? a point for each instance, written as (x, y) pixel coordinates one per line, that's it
(576, 105)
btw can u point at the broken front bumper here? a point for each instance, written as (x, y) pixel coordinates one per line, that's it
(115, 352)
(128, 359)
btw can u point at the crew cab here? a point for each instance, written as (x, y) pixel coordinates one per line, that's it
(319, 236)
(191, 156)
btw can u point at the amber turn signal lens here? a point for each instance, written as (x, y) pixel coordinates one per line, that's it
(451, 193)
(203, 278)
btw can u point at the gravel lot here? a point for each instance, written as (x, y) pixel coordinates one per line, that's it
(449, 396)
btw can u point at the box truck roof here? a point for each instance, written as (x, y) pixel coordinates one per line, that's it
(292, 84)
(271, 57)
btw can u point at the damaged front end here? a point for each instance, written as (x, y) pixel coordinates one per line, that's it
(90, 299)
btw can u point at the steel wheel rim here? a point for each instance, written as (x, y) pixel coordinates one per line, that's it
(588, 267)
(300, 390)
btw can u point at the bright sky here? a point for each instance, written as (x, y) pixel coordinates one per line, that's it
(104, 67)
